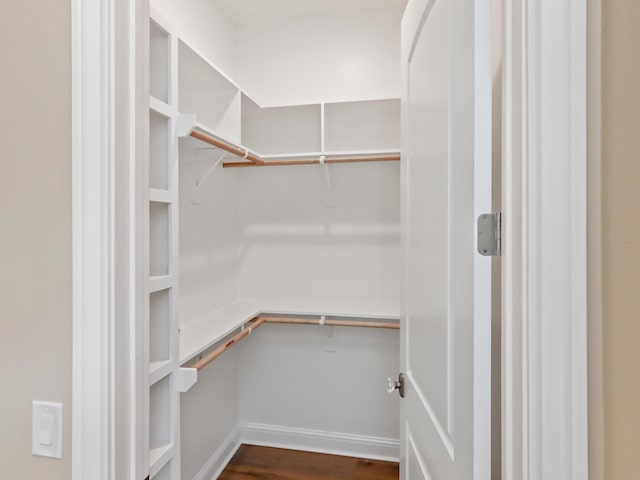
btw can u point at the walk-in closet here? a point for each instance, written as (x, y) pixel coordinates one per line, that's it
(274, 230)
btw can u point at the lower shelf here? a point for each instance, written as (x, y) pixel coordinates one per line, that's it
(200, 334)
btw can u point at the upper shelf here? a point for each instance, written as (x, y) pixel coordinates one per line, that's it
(205, 91)
(188, 127)
(228, 118)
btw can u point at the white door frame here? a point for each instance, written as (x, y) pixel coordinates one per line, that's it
(544, 264)
(109, 123)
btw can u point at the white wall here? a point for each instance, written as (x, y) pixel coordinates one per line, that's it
(203, 25)
(209, 256)
(209, 415)
(289, 382)
(293, 246)
(330, 58)
(209, 235)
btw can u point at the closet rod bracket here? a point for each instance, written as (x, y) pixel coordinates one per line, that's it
(187, 378)
(186, 124)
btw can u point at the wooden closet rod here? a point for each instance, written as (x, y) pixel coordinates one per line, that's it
(337, 323)
(227, 147)
(258, 321)
(255, 161)
(203, 362)
(279, 163)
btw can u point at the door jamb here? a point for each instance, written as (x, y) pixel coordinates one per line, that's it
(544, 386)
(108, 141)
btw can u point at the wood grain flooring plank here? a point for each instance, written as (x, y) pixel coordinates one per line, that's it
(252, 462)
(376, 470)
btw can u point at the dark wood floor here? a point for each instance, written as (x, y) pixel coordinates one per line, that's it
(251, 462)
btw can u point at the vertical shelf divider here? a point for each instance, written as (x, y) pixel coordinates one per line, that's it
(164, 368)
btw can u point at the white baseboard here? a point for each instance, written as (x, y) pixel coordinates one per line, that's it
(361, 446)
(220, 458)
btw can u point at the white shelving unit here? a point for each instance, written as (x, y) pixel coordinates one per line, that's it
(216, 105)
(189, 93)
(162, 321)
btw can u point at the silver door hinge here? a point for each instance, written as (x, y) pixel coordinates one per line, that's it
(490, 234)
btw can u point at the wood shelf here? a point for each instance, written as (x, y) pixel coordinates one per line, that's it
(200, 334)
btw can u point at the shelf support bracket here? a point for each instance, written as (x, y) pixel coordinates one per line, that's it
(202, 179)
(329, 200)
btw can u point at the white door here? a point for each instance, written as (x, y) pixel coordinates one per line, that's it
(446, 340)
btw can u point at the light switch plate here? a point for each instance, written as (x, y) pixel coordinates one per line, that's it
(47, 429)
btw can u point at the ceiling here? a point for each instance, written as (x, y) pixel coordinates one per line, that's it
(243, 12)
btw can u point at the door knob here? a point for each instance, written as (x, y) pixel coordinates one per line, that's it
(393, 385)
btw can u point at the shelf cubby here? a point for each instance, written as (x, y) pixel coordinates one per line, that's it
(281, 130)
(159, 229)
(160, 434)
(160, 325)
(205, 91)
(159, 52)
(362, 126)
(158, 151)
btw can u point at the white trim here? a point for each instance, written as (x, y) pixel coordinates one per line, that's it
(544, 268)
(319, 441)
(106, 122)
(594, 222)
(92, 455)
(220, 458)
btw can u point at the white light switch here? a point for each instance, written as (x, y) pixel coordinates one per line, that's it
(47, 429)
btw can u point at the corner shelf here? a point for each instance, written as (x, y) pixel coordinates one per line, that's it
(202, 333)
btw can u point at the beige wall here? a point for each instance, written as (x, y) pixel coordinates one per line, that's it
(35, 228)
(621, 236)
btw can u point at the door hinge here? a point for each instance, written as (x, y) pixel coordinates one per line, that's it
(490, 234)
